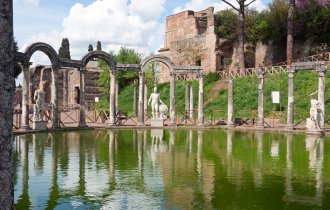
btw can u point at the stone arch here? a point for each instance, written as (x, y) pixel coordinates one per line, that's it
(163, 59)
(43, 47)
(99, 54)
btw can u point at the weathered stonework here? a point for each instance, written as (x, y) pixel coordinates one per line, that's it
(68, 85)
(7, 88)
(190, 40)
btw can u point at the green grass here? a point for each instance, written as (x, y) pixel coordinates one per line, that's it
(245, 94)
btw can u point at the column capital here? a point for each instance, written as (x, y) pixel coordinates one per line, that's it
(321, 71)
(141, 73)
(172, 74)
(200, 75)
(291, 73)
(26, 66)
(261, 74)
(82, 69)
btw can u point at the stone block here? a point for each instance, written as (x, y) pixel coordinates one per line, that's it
(157, 123)
(39, 125)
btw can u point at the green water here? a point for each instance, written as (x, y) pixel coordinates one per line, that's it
(162, 169)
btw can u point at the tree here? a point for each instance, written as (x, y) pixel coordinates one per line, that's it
(241, 20)
(17, 67)
(90, 48)
(98, 46)
(7, 89)
(64, 51)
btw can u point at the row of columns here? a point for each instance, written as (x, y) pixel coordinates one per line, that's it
(290, 116)
(113, 98)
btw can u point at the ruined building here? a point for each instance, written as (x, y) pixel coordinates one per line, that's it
(68, 86)
(190, 40)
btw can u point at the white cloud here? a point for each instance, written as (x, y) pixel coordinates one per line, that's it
(197, 5)
(115, 23)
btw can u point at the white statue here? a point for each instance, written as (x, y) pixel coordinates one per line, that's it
(154, 99)
(315, 112)
(39, 107)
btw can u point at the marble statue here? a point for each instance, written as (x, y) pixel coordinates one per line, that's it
(315, 112)
(154, 99)
(39, 107)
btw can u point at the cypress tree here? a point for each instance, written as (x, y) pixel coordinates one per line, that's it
(64, 51)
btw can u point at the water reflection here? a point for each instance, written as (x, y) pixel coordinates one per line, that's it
(183, 169)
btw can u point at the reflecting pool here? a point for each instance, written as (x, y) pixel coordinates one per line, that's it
(171, 169)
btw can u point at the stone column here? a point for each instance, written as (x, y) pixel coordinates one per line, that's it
(290, 117)
(25, 96)
(145, 103)
(191, 103)
(172, 99)
(230, 115)
(54, 97)
(135, 99)
(117, 98)
(82, 117)
(260, 121)
(321, 88)
(201, 100)
(112, 98)
(141, 100)
(7, 89)
(187, 100)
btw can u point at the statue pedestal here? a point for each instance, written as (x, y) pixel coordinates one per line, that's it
(39, 125)
(157, 123)
(315, 132)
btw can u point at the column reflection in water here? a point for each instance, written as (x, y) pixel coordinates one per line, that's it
(157, 144)
(199, 152)
(112, 179)
(54, 190)
(140, 139)
(82, 169)
(23, 201)
(315, 148)
(258, 169)
(229, 152)
(38, 150)
(171, 154)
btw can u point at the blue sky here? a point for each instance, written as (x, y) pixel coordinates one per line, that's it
(137, 24)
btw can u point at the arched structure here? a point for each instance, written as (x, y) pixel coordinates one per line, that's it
(112, 68)
(99, 54)
(43, 47)
(24, 58)
(163, 59)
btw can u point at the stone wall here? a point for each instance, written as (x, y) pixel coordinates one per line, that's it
(190, 39)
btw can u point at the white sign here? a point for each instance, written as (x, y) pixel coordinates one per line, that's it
(276, 97)
(96, 99)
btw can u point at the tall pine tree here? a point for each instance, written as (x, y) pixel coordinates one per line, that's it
(98, 46)
(64, 51)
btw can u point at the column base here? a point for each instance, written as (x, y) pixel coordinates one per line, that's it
(82, 126)
(230, 125)
(26, 127)
(260, 126)
(140, 124)
(112, 124)
(289, 128)
(201, 125)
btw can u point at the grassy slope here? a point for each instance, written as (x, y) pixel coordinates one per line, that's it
(245, 94)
